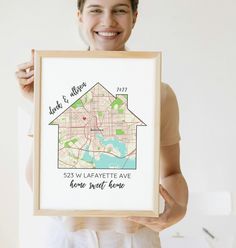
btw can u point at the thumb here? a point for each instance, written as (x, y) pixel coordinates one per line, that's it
(167, 197)
(32, 54)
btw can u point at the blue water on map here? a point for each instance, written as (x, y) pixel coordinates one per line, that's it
(106, 161)
(121, 147)
(86, 156)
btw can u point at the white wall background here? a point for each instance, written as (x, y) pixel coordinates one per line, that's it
(197, 39)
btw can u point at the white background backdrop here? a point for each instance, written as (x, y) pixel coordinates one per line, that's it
(197, 39)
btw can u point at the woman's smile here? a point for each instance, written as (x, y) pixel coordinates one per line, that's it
(107, 34)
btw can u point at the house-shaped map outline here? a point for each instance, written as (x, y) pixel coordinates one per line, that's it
(118, 96)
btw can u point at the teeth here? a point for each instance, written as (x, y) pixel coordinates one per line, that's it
(108, 34)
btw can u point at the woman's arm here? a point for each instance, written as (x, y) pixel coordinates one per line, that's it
(174, 191)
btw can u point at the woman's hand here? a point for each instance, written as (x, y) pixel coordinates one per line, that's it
(172, 214)
(25, 76)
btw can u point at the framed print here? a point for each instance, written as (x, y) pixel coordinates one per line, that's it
(97, 133)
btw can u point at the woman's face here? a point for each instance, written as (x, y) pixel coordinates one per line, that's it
(107, 24)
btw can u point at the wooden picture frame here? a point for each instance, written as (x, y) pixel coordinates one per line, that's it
(97, 133)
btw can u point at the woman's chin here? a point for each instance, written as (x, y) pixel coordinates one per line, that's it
(108, 47)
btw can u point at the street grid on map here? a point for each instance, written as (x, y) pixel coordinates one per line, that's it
(98, 131)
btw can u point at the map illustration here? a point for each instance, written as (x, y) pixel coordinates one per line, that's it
(98, 131)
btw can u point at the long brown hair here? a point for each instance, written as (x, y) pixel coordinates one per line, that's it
(134, 5)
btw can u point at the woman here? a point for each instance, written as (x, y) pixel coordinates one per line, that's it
(107, 25)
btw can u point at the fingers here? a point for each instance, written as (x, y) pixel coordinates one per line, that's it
(25, 78)
(142, 220)
(26, 66)
(32, 55)
(167, 197)
(172, 214)
(24, 82)
(25, 71)
(153, 223)
(24, 75)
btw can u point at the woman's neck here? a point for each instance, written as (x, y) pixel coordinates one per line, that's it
(123, 49)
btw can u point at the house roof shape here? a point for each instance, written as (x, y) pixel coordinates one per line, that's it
(119, 99)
